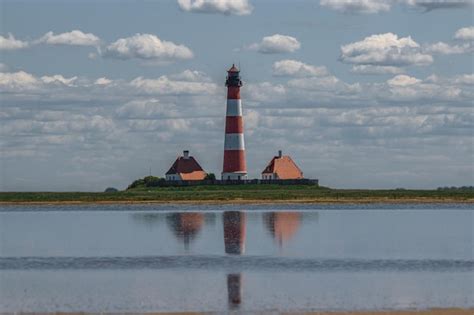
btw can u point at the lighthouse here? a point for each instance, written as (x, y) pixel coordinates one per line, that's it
(234, 149)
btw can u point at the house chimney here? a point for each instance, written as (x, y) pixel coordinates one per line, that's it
(186, 154)
(279, 153)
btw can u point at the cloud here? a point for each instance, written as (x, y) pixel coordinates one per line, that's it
(448, 49)
(3, 67)
(58, 79)
(405, 122)
(357, 6)
(276, 44)
(227, 7)
(147, 47)
(403, 80)
(147, 109)
(73, 38)
(430, 5)
(190, 76)
(385, 50)
(370, 69)
(467, 79)
(377, 6)
(17, 81)
(166, 86)
(463, 45)
(103, 81)
(465, 33)
(295, 68)
(10, 43)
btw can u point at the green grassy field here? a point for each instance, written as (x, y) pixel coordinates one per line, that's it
(243, 193)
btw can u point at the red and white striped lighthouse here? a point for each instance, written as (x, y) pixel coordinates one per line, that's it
(235, 167)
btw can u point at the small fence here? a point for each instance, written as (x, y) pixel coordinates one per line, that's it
(180, 183)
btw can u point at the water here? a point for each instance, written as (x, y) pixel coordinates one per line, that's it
(143, 258)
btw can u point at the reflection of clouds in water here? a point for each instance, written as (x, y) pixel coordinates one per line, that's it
(210, 218)
(309, 217)
(148, 218)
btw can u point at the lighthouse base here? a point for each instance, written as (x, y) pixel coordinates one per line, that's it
(234, 176)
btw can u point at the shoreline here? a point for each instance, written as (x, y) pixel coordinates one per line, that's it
(432, 311)
(319, 201)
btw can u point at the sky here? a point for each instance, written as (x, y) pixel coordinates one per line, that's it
(360, 93)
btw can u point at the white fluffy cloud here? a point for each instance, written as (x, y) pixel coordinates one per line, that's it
(227, 7)
(429, 5)
(467, 79)
(167, 86)
(465, 33)
(276, 44)
(297, 68)
(403, 80)
(17, 81)
(21, 81)
(357, 6)
(448, 49)
(11, 43)
(147, 109)
(73, 38)
(58, 79)
(190, 76)
(376, 6)
(103, 81)
(119, 118)
(385, 50)
(146, 46)
(463, 45)
(370, 69)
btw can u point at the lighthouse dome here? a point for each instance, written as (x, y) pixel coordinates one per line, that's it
(233, 69)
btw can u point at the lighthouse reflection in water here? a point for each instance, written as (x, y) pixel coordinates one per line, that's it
(186, 226)
(234, 241)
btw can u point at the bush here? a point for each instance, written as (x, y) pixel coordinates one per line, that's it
(210, 176)
(137, 183)
(111, 190)
(152, 181)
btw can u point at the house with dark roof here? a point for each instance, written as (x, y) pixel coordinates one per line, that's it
(282, 167)
(185, 168)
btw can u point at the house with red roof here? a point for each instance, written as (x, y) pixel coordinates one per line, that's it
(282, 167)
(185, 168)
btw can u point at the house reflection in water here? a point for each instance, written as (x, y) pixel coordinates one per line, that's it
(282, 225)
(185, 225)
(234, 242)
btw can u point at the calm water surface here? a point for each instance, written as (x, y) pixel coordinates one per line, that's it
(218, 258)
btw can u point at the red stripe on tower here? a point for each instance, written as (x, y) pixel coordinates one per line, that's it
(234, 149)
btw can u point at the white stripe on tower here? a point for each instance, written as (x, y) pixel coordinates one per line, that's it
(234, 141)
(234, 108)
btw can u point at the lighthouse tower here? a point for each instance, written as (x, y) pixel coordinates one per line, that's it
(234, 149)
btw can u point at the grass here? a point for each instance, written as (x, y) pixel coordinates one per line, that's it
(242, 193)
